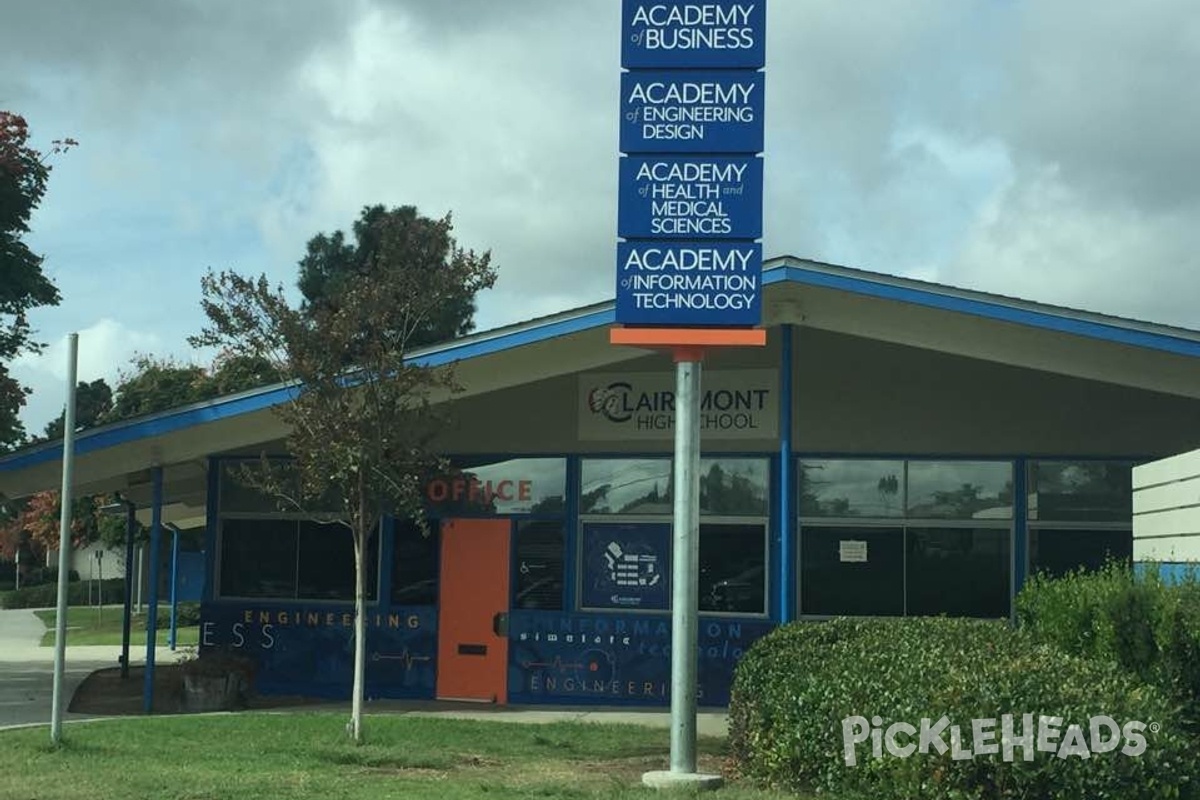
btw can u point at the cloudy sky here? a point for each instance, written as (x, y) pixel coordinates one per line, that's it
(1040, 148)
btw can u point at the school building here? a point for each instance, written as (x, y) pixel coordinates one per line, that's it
(897, 448)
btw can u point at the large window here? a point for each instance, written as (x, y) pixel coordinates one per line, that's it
(415, 564)
(645, 486)
(488, 488)
(1080, 514)
(269, 552)
(852, 571)
(626, 506)
(292, 559)
(896, 537)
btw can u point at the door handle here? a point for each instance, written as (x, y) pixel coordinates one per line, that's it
(500, 623)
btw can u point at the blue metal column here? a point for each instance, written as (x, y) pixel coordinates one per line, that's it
(152, 611)
(787, 513)
(1020, 548)
(174, 583)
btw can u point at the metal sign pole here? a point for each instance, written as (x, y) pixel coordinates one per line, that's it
(684, 567)
(64, 544)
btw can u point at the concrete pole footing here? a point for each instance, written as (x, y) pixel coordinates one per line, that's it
(664, 779)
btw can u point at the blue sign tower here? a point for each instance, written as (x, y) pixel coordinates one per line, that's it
(691, 182)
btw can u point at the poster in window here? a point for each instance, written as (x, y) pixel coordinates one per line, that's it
(627, 566)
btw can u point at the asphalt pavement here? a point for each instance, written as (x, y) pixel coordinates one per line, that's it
(27, 669)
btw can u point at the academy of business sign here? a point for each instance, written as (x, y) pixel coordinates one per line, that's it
(675, 35)
(690, 201)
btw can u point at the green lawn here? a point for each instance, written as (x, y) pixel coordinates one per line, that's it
(87, 625)
(306, 755)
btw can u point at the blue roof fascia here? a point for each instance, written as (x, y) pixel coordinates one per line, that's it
(155, 426)
(518, 338)
(245, 404)
(987, 309)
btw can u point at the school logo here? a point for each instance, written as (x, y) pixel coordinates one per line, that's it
(610, 401)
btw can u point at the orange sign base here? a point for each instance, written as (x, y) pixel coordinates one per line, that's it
(688, 337)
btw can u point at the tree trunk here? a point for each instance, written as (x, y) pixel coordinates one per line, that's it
(360, 623)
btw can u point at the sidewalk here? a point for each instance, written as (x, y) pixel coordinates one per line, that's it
(21, 635)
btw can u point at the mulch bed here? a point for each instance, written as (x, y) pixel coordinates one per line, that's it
(106, 693)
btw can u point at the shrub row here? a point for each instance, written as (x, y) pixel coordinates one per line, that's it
(1136, 621)
(46, 595)
(801, 692)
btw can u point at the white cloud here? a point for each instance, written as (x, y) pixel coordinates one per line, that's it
(105, 350)
(1062, 245)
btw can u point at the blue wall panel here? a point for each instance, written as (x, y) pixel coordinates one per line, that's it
(309, 650)
(619, 659)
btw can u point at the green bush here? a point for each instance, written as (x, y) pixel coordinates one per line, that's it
(187, 614)
(46, 595)
(795, 689)
(1133, 620)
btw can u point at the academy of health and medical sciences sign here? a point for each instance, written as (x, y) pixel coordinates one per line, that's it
(691, 182)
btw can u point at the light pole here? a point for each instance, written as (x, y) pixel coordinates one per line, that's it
(174, 529)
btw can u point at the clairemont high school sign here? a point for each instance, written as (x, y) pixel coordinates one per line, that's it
(623, 406)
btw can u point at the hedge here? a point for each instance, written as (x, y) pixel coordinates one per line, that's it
(1136, 621)
(803, 690)
(46, 595)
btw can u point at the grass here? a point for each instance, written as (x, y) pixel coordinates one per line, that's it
(306, 755)
(87, 626)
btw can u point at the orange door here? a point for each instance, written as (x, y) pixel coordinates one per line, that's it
(472, 611)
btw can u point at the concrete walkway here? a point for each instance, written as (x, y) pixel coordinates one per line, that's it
(27, 668)
(709, 722)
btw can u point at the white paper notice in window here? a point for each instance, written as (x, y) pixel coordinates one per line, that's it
(852, 551)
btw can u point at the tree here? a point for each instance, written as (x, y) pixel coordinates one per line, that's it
(360, 416)
(23, 285)
(37, 518)
(157, 384)
(92, 401)
(332, 264)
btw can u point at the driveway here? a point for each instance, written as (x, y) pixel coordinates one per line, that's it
(27, 669)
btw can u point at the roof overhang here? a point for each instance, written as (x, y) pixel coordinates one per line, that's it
(804, 293)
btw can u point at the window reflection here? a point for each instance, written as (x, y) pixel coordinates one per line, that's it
(851, 488)
(959, 490)
(728, 486)
(513, 486)
(626, 486)
(734, 486)
(1084, 491)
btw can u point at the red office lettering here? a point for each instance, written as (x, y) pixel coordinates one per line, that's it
(525, 490)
